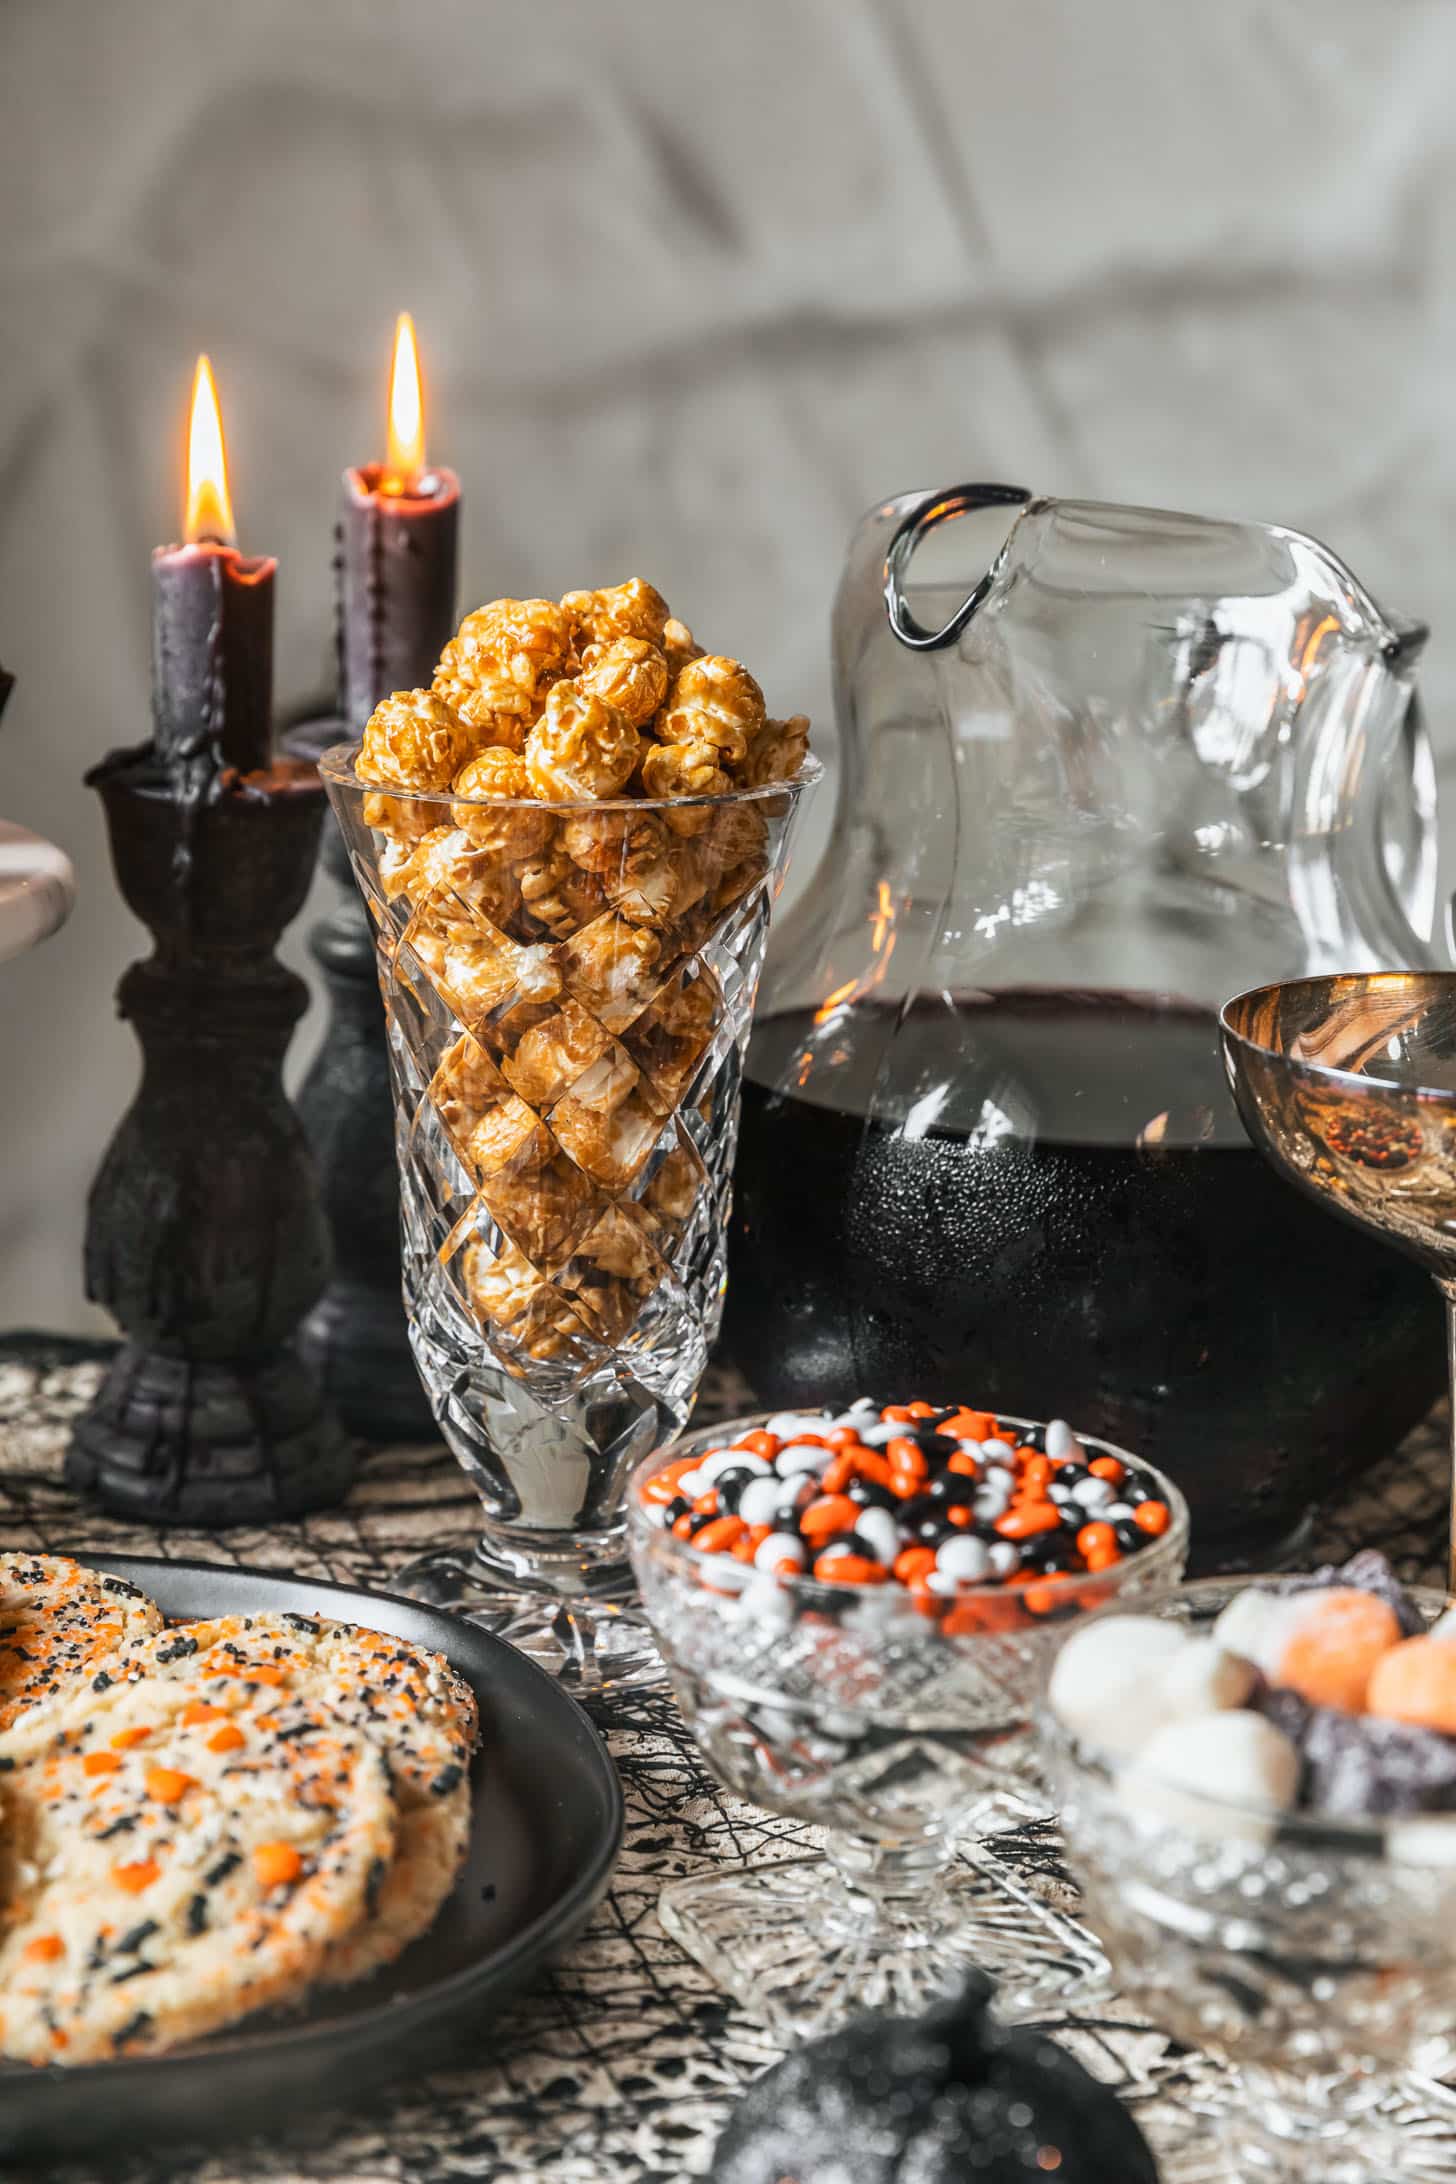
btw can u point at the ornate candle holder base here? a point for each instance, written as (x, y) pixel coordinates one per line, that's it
(203, 1444)
(356, 1336)
(581, 1622)
(204, 1234)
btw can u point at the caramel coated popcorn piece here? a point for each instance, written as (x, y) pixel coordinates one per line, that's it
(735, 835)
(610, 1145)
(666, 891)
(460, 884)
(402, 818)
(609, 968)
(581, 747)
(684, 769)
(550, 1056)
(543, 1210)
(674, 1187)
(510, 832)
(714, 700)
(506, 1291)
(630, 674)
(619, 1245)
(465, 1086)
(614, 842)
(413, 741)
(632, 609)
(559, 895)
(679, 645)
(776, 753)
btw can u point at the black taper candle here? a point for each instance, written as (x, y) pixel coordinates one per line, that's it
(396, 562)
(212, 656)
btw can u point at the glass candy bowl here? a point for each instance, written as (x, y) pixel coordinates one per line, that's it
(1315, 1956)
(901, 1734)
(568, 989)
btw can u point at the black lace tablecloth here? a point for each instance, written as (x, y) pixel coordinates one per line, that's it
(621, 2065)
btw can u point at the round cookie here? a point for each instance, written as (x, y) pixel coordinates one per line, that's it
(409, 1702)
(57, 1621)
(173, 1865)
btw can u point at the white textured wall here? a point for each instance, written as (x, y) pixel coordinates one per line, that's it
(695, 283)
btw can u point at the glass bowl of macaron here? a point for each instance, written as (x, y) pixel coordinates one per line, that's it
(856, 1609)
(1256, 1784)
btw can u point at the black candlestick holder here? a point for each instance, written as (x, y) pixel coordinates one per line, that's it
(356, 1335)
(205, 1235)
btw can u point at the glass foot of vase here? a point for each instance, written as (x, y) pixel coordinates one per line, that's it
(805, 1953)
(591, 1636)
(1404, 2129)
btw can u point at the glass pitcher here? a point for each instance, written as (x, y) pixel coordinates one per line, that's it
(1141, 762)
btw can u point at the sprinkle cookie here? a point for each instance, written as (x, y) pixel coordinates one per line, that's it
(173, 1865)
(57, 1620)
(408, 1702)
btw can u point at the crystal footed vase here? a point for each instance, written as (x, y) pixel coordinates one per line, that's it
(568, 990)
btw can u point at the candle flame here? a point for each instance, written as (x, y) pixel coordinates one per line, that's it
(406, 457)
(882, 947)
(209, 509)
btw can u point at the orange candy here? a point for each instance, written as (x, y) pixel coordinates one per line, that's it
(716, 1538)
(1415, 1682)
(1330, 1656)
(914, 1562)
(1095, 1539)
(1108, 1467)
(849, 1570)
(1025, 1522)
(1152, 1517)
(828, 1514)
(762, 1444)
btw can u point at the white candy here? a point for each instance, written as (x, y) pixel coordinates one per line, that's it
(761, 1500)
(765, 1599)
(1258, 1625)
(1194, 1773)
(877, 1436)
(1005, 1557)
(1115, 1512)
(968, 1561)
(1093, 1493)
(1429, 1841)
(692, 1484)
(801, 1456)
(1203, 1679)
(990, 1501)
(787, 1425)
(1061, 1442)
(780, 1547)
(1444, 1625)
(994, 1451)
(1105, 1683)
(880, 1533)
(730, 1459)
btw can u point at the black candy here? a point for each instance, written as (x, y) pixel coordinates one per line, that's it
(730, 1485)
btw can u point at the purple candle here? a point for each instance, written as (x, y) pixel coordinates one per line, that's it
(212, 619)
(395, 559)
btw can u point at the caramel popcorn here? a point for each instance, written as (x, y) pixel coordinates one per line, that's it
(567, 941)
(510, 833)
(413, 741)
(630, 674)
(714, 700)
(777, 752)
(632, 609)
(559, 895)
(612, 842)
(581, 747)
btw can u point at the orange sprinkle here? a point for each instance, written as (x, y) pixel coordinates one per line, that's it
(226, 1739)
(199, 1710)
(276, 1863)
(100, 1763)
(134, 1878)
(44, 1949)
(126, 1738)
(1153, 1517)
(168, 1785)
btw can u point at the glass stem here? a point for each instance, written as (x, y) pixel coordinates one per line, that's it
(899, 1878)
(1448, 1291)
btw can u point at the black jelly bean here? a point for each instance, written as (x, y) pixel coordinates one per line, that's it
(930, 1531)
(1129, 1536)
(918, 1506)
(730, 1485)
(786, 1517)
(1071, 1474)
(679, 1506)
(1133, 1494)
(871, 1495)
(709, 1516)
(1032, 1437)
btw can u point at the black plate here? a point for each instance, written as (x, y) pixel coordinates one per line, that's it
(547, 1828)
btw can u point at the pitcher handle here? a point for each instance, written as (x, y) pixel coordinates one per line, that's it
(935, 509)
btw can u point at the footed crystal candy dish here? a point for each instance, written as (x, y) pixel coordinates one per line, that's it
(568, 988)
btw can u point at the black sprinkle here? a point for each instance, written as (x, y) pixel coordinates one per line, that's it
(197, 1915)
(302, 1622)
(373, 1885)
(101, 1681)
(133, 2029)
(123, 1586)
(448, 1779)
(133, 1971)
(180, 1649)
(223, 1868)
(132, 1941)
(118, 1827)
(299, 1729)
(6, 1765)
